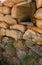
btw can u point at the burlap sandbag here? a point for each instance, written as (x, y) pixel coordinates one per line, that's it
(35, 28)
(18, 27)
(39, 3)
(39, 23)
(4, 10)
(38, 14)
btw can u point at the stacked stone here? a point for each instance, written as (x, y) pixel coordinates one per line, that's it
(38, 15)
(10, 26)
(18, 40)
(37, 28)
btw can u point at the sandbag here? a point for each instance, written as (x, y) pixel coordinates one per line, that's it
(18, 27)
(4, 25)
(39, 3)
(39, 23)
(8, 3)
(38, 14)
(2, 31)
(34, 28)
(4, 10)
(13, 34)
(8, 19)
(19, 1)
